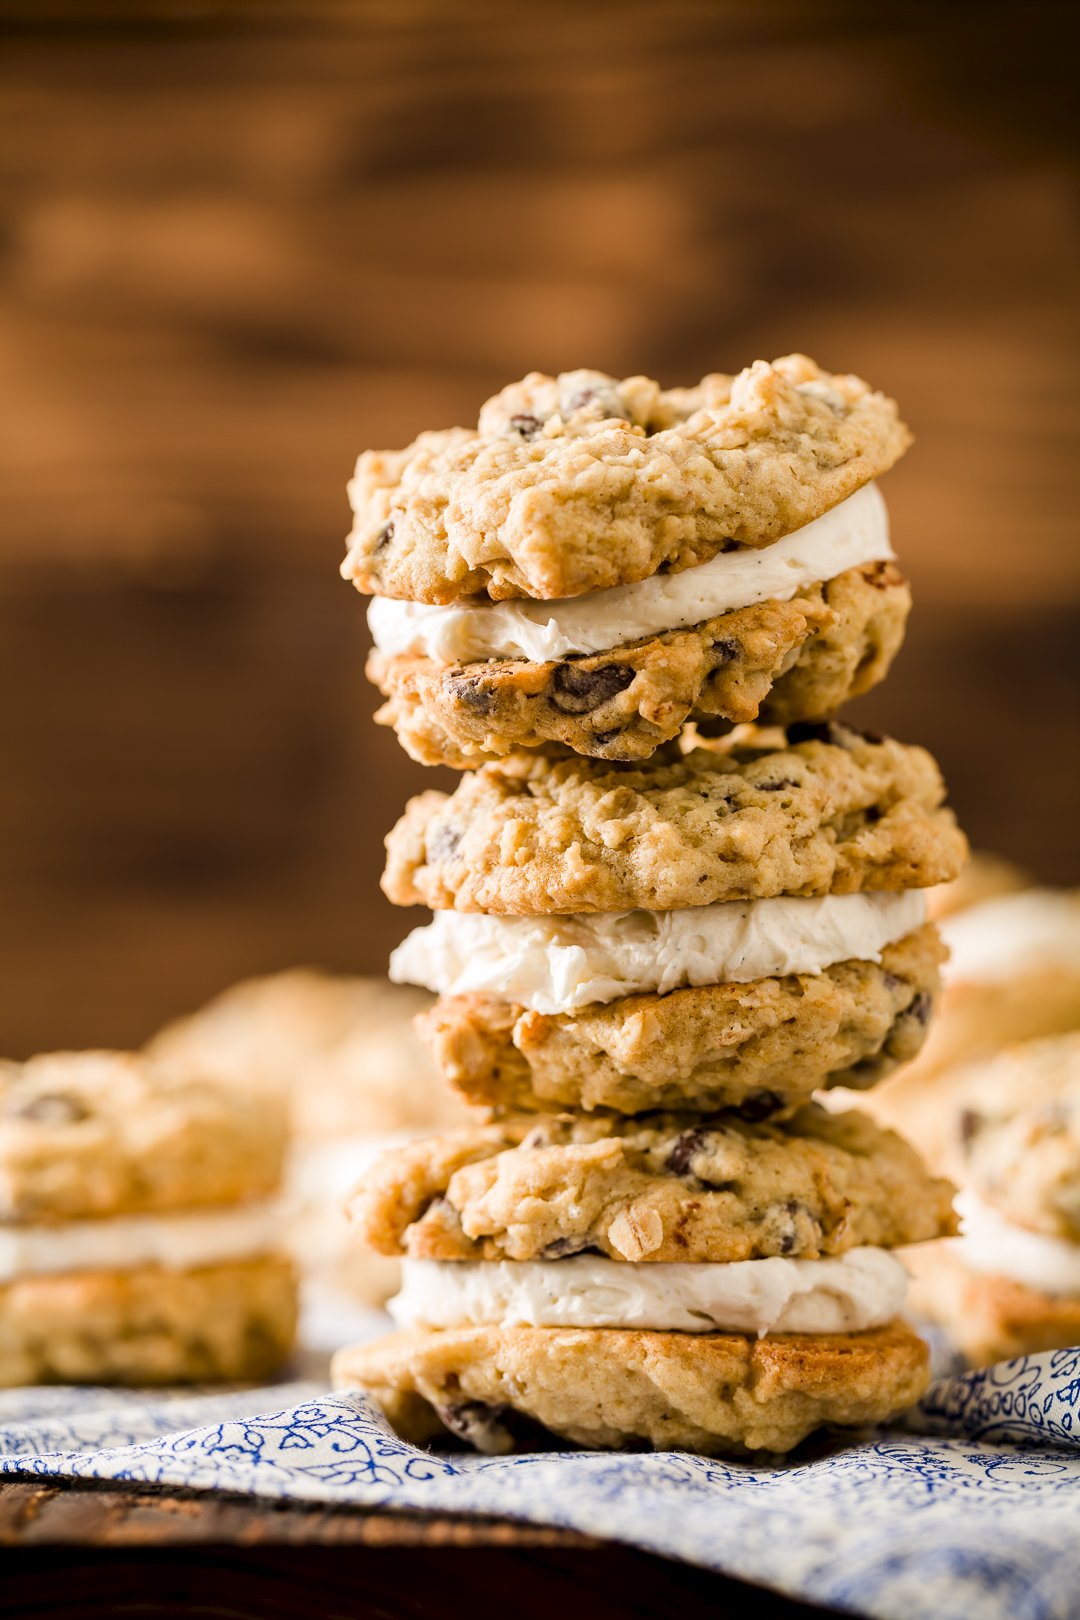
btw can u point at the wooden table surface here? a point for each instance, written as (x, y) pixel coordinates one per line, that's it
(70, 1551)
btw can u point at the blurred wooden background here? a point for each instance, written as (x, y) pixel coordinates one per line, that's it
(240, 242)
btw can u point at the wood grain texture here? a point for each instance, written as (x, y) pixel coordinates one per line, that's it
(34, 1515)
(243, 241)
(69, 1553)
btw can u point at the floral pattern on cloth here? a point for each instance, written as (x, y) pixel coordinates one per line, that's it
(970, 1510)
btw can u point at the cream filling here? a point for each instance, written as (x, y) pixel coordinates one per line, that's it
(990, 1243)
(852, 533)
(558, 964)
(177, 1241)
(849, 1294)
(1031, 932)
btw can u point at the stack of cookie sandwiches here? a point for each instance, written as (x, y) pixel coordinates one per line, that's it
(140, 1235)
(673, 899)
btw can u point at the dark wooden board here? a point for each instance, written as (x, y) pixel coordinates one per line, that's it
(69, 1552)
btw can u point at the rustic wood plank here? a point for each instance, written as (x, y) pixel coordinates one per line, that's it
(81, 1515)
(76, 1551)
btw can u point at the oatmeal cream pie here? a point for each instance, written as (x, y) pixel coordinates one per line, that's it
(1010, 1284)
(458, 698)
(140, 1240)
(717, 584)
(992, 1315)
(656, 1188)
(1016, 1136)
(501, 1389)
(582, 482)
(831, 810)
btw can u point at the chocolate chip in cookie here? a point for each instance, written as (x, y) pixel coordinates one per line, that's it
(578, 691)
(687, 1146)
(443, 843)
(471, 691)
(760, 1105)
(525, 427)
(479, 1424)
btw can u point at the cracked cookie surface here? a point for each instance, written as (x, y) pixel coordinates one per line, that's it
(760, 1048)
(835, 811)
(580, 482)
(783, 661)
(84, 1134)
(509, 1389)
(654, 1188)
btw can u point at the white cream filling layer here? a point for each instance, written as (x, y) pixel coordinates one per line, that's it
(1034, 931)
(849, 1294)
(127, 1242)
(558, 964)
(989, 1243)
(851, 534)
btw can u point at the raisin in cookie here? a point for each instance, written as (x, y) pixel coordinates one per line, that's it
(511, 1389)
(759, 1048)
(659, 1187)
(581, 482)
(794, 660)
(836, 810)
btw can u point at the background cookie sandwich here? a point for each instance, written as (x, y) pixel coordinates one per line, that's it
(141, 1235)
(1010, 1284)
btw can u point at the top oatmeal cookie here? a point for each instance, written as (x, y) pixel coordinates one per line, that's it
(87, 1134)
(834, 811)
(580, 482)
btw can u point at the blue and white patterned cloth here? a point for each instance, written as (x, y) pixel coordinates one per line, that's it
(970, 1511)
